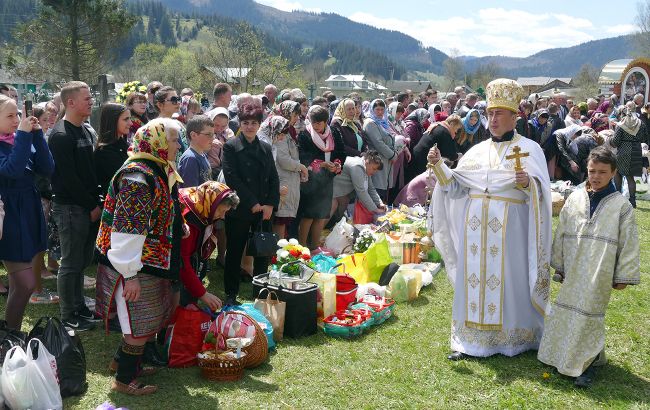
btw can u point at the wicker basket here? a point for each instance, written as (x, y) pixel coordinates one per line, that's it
(222, 369)
(258, 351)
(557, 206)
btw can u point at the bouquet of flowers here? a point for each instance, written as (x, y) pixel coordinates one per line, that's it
(130, 87)
(291, 251)
(364, 240)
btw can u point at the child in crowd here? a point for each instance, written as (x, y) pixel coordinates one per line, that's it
(596, 248)
(193, 166)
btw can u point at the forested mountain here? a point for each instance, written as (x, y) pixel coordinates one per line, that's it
(12, 13)
(561, 62)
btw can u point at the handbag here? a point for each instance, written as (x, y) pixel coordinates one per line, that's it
(274, 310)
(185, 336)
(262, 244)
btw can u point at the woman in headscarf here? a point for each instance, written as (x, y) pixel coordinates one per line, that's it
(203, 206)
(573, 117)
(523, 126)
(414, 126)
(606, 107)
(291, 111)
(139, 247)
(471, 125)
(380, 138)
(630, 134)
(275, 131)
(395, 115)
(344, 122)
(322, 152)
(566, 159)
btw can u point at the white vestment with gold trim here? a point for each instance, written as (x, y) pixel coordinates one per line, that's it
(495, 239)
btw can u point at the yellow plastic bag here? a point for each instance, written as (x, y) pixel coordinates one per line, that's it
(326, 299)
(354, 265)
(377, 258)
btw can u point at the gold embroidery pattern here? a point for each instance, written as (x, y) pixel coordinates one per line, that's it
(493, 282)
(474, 223)
(474, 249)
(473, 307)
(508, 338)
(470, 165)
(473, 281)
(494, 251)
(492, 308)
(495, 225)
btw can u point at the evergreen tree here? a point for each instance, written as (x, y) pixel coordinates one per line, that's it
(166, 32)
(151, 36)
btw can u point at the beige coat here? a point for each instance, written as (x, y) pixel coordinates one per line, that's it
(287, 162)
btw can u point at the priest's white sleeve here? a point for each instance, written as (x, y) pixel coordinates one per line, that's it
(448, 182)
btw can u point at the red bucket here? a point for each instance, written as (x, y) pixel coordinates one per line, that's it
(346, 291)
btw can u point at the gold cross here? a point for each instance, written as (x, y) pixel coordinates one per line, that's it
(517, 156)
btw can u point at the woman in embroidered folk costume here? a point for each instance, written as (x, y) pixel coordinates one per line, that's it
(139, 245)
(203, 206)
(492, 224)
(595, 250)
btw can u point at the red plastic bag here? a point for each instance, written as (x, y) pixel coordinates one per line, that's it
(185, 337)
(361, 214)
(346, 291)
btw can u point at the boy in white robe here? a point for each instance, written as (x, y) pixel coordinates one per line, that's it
(595, 250)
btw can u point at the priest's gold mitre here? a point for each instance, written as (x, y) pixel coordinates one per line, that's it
(504, 93)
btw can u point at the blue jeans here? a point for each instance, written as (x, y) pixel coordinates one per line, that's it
(77, 243)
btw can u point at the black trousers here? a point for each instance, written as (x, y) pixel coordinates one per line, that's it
(237, 232)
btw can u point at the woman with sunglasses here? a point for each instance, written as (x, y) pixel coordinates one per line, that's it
(168, 103)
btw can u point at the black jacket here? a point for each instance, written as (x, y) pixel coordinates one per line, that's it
(310, 152)
(108, 159)
(249, 170)
(446, 145)
(350, 139)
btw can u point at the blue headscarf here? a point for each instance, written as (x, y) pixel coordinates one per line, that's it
(469, 129)
(383, 122)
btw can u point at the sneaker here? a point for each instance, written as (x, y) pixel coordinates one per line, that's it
(89, 283)
(88, 315)
(44, 297)
(232, 301)
(78, 324)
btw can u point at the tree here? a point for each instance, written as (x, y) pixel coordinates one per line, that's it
(72, 39)
(146, 56)
(642, 38)
(483, 74)
(587, 82)
(453, 69)
(166, 32)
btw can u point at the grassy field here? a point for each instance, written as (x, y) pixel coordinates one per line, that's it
(401, 364)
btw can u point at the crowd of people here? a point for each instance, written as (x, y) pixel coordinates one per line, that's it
(165, 182)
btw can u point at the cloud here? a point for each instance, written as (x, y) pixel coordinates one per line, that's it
(286, 5)
(621, 29)
(496, 31)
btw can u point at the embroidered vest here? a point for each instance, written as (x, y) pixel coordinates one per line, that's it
(161, 249)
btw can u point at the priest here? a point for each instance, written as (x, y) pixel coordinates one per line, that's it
(491, 221)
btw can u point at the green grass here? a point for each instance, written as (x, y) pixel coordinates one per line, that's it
(401, 364)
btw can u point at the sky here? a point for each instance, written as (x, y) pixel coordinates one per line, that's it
(516, 28)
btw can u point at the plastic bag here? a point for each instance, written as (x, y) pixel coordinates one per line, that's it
(324, 263)
(185, 336)
(370, 289)
(341, 237)
(406, 284)
(16, 386)
(361, 214)
(69, 354)
(326, 299)
(43, 376)
(377, 258)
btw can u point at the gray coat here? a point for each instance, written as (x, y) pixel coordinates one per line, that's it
(353, 178)
(381, 141)
(287, 162)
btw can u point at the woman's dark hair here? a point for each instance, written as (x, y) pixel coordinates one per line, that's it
(604, 156)
(251, 112)
(38, 112)
(161, 95)
(373, 157)
(318, 114)
(378, 103)
(400, 108)
(108, 123)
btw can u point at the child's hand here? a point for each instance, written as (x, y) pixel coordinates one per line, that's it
(619, 286)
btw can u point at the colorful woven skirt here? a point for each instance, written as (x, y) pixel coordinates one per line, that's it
(149, 314)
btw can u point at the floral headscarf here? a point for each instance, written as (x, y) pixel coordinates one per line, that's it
(382, 122)
(150, 142)
(286, 108)
(339, 114)
(272, 127)
(203, 201)
(420, 115)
